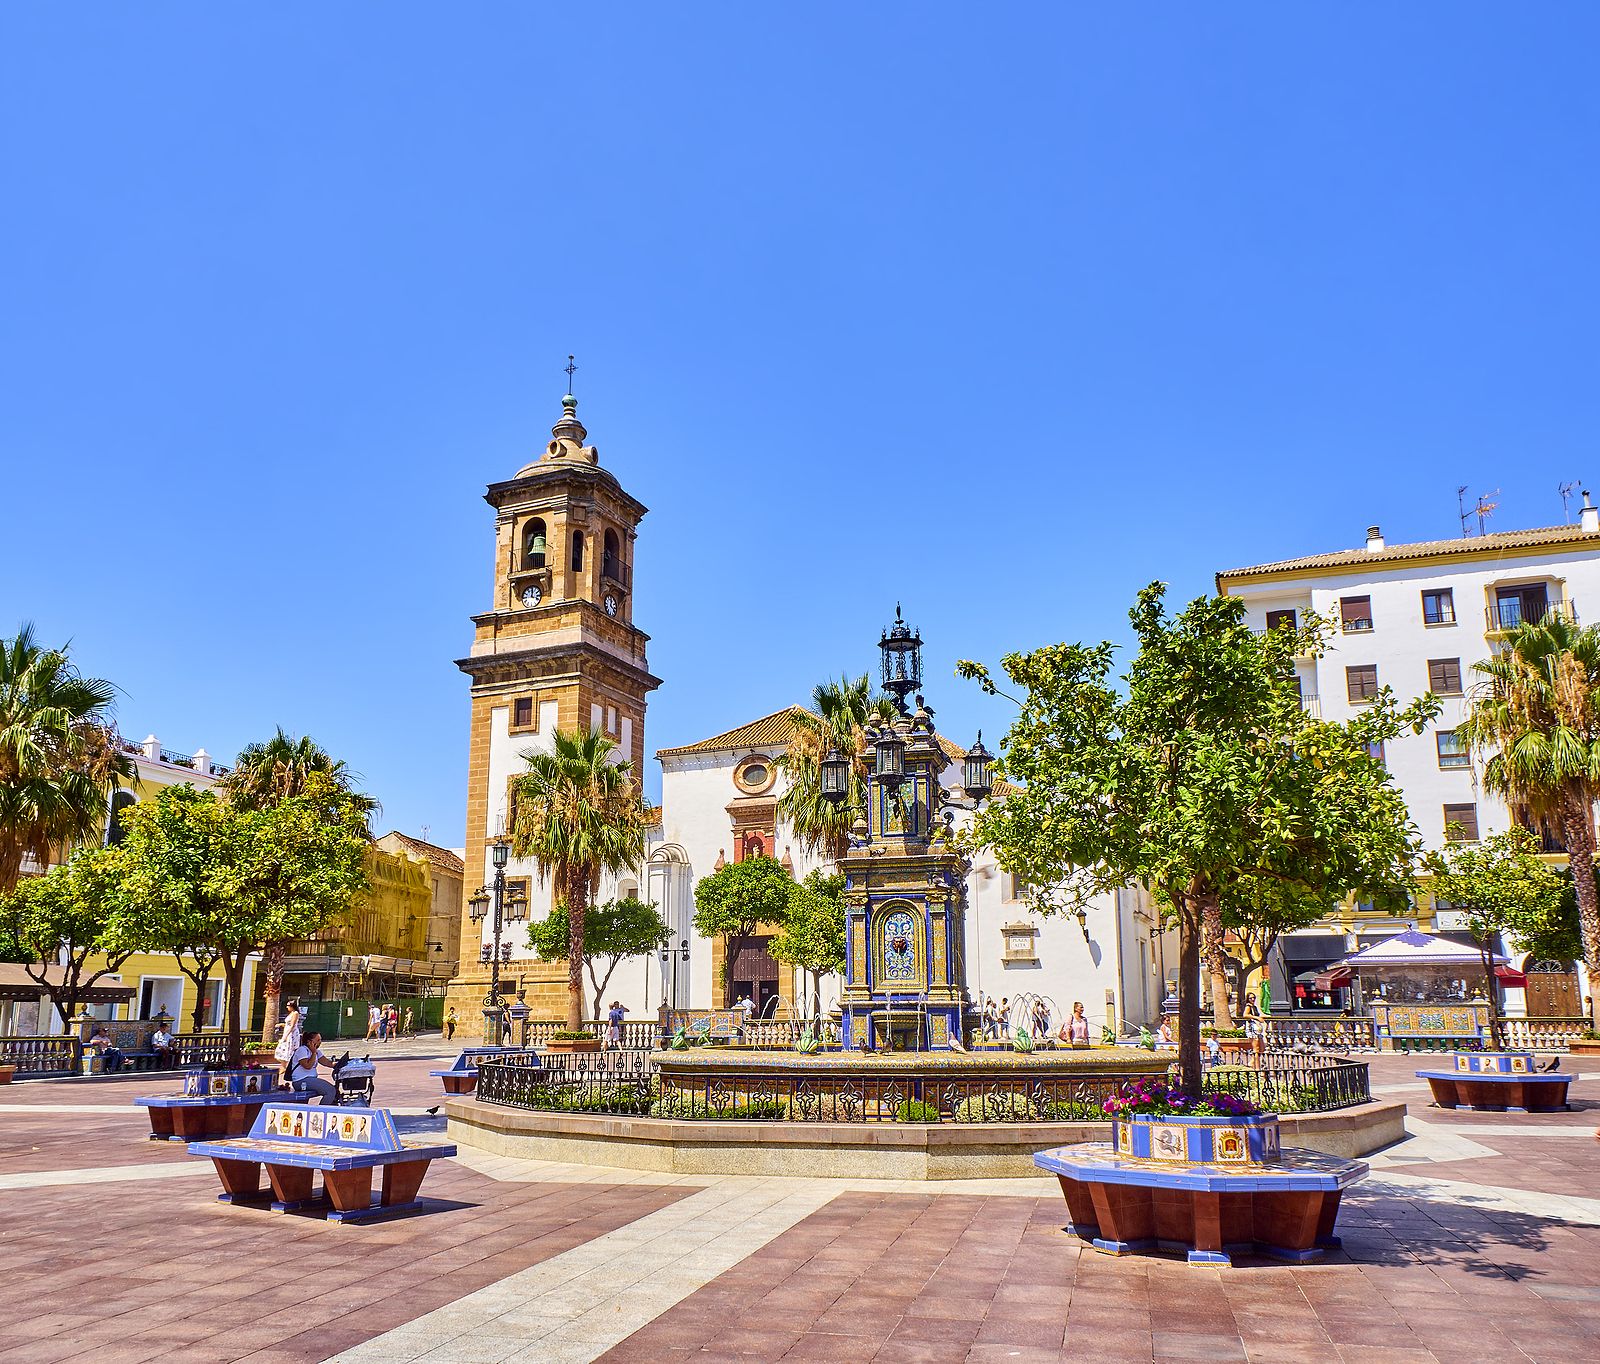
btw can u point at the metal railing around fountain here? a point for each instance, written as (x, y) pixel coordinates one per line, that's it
(820, 1095)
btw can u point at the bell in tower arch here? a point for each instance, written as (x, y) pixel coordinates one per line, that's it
(533, 544)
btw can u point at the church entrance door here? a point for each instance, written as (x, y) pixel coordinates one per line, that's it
(755, 973)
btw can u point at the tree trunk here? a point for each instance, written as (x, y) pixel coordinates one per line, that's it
(1578, 829)
(199, 978)
(1189, 934)
(1216, 961)
(272, 968)
(233, 974)
(577, 908)
(1496, 1030)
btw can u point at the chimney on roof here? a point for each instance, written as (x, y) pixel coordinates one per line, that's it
(1374, 539)
(1588, 515)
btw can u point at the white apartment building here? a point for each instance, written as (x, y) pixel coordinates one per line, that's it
(1415, 618)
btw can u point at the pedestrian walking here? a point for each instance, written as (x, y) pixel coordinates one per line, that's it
(383, 1025)
(372, 1022)
(450, 1023)
(409, 1031)
(614, 1024)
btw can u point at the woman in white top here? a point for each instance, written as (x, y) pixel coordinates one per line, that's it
(289, 1034)
(303, 1077)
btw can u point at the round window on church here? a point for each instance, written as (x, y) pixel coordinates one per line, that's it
(754, 775)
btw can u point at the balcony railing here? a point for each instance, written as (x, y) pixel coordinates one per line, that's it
(1510, 612)
(612, 569)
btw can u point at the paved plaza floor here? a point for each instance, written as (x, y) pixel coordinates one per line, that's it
(1476, 1239)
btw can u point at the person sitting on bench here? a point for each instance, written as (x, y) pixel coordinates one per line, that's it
(164, 1045)
(303, 1077)
(110, 1057)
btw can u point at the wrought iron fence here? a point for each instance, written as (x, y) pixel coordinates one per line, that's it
(823, 1095)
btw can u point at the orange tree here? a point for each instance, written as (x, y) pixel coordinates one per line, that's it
(1203, 778)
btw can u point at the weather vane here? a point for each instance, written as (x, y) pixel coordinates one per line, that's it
(570, 370)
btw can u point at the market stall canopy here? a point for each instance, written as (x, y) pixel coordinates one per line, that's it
(1510, 977)
(17, 984)
(1412, 948)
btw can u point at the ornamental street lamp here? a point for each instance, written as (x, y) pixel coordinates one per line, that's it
(902, 660)
(835, 777)
(670, 957)
(975, 778)
(512, 906)
(889, 758)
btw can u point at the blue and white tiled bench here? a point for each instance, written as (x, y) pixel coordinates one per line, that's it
(1284, 1207)
(214, 1103)
(1498, 1081)
(462, 1077)
(345, 1145)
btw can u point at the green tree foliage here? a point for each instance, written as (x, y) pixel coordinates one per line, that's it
(1535, 712)
(813, 935)
(1205, 779)
(613, 933)
(734, 902)
(838, 716)
(64, 918)
(59, 754)
(1501, 886)
(275, 770)
(577, 813)
(199, 870)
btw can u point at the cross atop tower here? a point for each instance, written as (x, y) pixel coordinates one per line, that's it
(570, 369)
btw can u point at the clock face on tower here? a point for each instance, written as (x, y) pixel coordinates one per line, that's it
(611, 605)
(532, 595)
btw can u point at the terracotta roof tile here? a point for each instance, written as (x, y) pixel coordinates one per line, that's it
(442, 858)
(767, 732)
(1485, 545)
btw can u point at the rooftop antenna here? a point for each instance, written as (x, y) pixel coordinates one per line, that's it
(1461, 508)
(426, 829)
(1566, 490)
(1485, 507)
(570, 370)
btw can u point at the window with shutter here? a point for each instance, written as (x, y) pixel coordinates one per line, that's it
(1361, 682)
(1461, 823)
(1444, 676)
(1355, 614)
(522, 713)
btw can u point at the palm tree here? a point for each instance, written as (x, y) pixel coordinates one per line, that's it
(263, 775)
(578, 813)
(838, 716)
(266, 773)
(1537, 714)
(60, 757)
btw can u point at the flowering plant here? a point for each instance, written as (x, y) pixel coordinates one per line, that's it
(1151, 1095)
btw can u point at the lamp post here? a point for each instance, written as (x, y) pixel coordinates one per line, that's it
(512, 907)
(670, 957)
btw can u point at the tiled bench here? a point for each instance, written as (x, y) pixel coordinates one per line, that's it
(295, 1142)
(1498, 1082)
(1285, 1208)
(214, 1103)
(462, 1077)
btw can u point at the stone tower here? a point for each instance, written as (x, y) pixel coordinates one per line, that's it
(557, 649)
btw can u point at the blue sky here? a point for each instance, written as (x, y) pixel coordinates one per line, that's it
(1001, 312)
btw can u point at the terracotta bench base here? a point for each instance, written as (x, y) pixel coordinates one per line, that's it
(1487, 1093)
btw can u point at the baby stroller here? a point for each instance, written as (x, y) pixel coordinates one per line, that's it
(354, 1081)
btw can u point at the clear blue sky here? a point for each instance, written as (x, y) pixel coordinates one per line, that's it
(1002, 311)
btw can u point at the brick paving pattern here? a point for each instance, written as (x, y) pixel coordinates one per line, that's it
(153, 1268)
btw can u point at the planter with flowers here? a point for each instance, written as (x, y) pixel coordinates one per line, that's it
(1153, 1120)
(1203, 1175)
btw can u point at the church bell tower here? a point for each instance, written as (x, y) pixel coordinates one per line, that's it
(557, 649)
